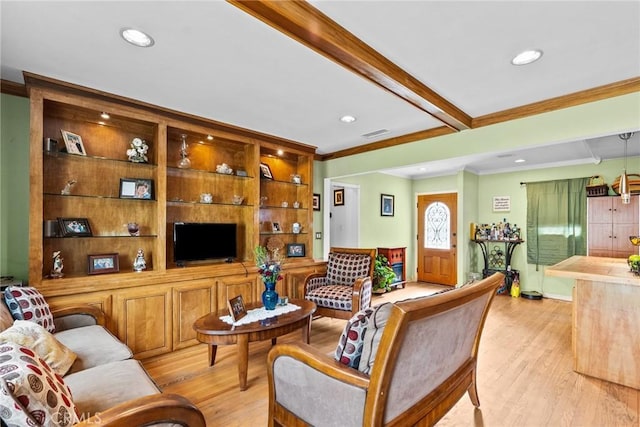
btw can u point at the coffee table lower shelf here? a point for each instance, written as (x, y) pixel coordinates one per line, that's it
(214, 332)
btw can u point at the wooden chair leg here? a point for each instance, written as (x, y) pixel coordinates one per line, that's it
(473, 391)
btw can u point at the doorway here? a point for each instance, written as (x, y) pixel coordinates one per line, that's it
(437, 238)
(343, 203)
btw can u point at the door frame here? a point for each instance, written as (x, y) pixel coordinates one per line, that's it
(328, 185)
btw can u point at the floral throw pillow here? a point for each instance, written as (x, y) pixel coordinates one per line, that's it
(27, 303)
(31, 394)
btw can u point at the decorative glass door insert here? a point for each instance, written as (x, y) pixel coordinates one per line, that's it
(437, 223)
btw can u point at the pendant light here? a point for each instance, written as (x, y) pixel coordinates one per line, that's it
(625, 188)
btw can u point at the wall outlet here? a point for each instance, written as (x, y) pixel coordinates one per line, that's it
(318, 235)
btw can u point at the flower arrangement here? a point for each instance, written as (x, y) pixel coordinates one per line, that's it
(269, 261)
(138, 151)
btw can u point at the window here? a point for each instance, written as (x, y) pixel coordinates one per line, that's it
(437, 225)
(556, 220)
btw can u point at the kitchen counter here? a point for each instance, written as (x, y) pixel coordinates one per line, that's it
(606, 317)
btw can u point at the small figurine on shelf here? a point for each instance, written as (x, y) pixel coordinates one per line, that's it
(67, 188)
(139, 263)
(138, 151)
(56, 271)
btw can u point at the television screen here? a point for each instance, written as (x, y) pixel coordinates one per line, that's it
(197, 241)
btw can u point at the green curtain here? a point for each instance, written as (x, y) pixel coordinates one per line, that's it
(556, 220)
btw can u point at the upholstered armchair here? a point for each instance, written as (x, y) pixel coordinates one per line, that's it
(397, 364)
(346, 287)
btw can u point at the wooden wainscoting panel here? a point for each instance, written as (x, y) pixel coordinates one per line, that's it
(190, 302)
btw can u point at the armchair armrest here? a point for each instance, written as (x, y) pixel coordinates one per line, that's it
(319, 361)
(157, 408)
(336, 393)
(83, 310)
(362, 290)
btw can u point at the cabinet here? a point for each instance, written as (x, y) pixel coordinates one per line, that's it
(286, 198)
(610, 223)
(396, 257)
(152, 311)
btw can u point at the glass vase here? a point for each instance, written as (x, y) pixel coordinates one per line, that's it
(270, 296)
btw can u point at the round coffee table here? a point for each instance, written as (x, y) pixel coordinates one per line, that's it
(213, 331)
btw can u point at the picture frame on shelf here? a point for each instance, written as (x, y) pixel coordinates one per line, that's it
(73, 143)
(236, 308)
(103, 263)
(265, 171)
(275, 227)
(387, 205)
(338, 197)
(74, 227)
(316, 202)
(136, 188)
(295, 250)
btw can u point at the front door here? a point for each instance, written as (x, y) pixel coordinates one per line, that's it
(437, 239)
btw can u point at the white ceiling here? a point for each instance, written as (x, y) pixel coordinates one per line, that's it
(214, 60)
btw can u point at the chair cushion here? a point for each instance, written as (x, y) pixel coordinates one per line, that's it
(373, 333)
(339, 297)
(351, 341)
(42, 342)
(344, 269)
(27, 303)
(94, 346)
(105, 386)
(32, 394)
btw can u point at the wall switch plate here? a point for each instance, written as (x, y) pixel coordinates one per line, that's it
(318, 235)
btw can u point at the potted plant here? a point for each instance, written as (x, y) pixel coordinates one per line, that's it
(383, 275)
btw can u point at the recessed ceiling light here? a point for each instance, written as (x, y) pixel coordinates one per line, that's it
(347, 119)
(280, 152)
(105, 115)
(519, 161)
(210, 138)
(527, 57)
(136, 37)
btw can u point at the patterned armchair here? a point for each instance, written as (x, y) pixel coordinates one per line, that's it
(346, 287)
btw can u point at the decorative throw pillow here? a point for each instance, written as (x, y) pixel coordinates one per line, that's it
(372, 335)
(46, 346)
(351, 341)
(31, 394)
(27, 303)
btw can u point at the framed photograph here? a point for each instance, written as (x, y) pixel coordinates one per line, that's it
(316, 201)
(74, 227)
(386, 204)
(236, 308)
(275, 227)
(295, 249)
(103, 263)
(265, 171)
(135, 188)
(338, 197)
(73, 142)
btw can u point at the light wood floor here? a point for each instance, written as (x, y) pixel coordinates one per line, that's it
(525, 375)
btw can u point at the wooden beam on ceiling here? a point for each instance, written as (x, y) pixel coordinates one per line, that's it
(306, 24)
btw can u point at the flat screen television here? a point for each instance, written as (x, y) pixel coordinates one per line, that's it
(199, 241)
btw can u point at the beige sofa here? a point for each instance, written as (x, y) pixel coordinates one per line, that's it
(108, 386)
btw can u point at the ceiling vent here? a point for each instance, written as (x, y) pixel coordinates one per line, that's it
(376, 133)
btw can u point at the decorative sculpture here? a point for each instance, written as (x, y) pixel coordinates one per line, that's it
(139, 263)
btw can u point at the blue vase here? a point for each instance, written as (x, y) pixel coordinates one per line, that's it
(270, 296)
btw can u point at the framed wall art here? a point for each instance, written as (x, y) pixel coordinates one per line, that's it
(316, 201)
(387, 202)
(73, 143)
(74, 227)
(338, 197)
(136, 188)
(103, 263)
